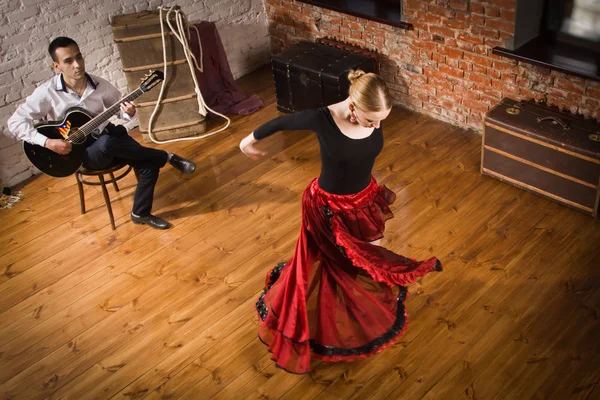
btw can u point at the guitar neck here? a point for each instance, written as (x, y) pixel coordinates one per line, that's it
(104, 116)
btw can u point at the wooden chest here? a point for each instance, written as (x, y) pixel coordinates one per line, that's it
(547, 152)
(310, 75)
(139, 41)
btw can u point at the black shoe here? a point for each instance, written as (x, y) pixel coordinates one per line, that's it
(182, 164)
(150, 220)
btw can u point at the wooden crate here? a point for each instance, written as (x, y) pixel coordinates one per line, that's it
(138, 39)
(539, 149)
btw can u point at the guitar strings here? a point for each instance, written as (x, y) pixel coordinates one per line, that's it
(93, 124)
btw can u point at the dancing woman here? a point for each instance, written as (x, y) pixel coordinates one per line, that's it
(341, 296)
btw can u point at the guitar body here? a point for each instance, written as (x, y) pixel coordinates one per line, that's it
(54, 164)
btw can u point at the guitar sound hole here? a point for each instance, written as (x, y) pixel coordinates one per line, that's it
(77, 139)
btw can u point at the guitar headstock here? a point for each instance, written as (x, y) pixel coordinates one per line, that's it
(151, 79)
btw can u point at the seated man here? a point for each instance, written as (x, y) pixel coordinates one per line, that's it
(72, 87)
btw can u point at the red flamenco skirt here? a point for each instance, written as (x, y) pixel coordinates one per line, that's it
(340, 298)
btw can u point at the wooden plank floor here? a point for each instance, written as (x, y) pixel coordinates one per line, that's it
(90, 313)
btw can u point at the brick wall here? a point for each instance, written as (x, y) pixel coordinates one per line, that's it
(445, 66)
(27, 26)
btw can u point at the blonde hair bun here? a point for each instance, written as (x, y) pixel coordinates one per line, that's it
(369, 93)
(355, 74)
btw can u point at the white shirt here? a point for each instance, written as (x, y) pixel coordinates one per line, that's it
(51, 100)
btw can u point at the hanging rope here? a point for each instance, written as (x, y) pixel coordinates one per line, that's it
(180, 33)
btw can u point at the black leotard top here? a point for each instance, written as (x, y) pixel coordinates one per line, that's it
(346, 163)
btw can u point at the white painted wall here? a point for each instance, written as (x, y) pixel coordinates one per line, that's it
(28, 26)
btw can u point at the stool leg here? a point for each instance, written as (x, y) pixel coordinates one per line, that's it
(78, 177)
(112, 177)
(107, 200)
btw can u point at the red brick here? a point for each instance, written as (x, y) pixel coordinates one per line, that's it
(563, 83)
(434, 74)
(466, 93)
(465, 66)
(508, 15)
(509, 78)
(291, 6)
(470, 38)
(442, 86)
(505, 67)
(477, 8)
(464, 45)
(501, 25)
(530, 94)
(331, 20)
(493, 43)
(475, 118)
(424, 44)
(464, 17)
(432, 108)
(448, 96)
(481, 49)
(442, 31)
(355, 26)
(493, 73)
(450, 52)
(426, 54)
(477, 19)
(562, 104)
(412, 91)
(397, 87)
(442, 11)
(414, 5)
(356, 42)
(482, 79)
(452, 62)
(507, 88)
(478, 59)
(591, 102)
(458, 4)
(455, 24)
(593, 92)
(485, 32)
(508, 4)
(475, 105)
(439, 58)
(451, 71)
(488, 91)
(478, 69)
(344, 30)
(425, 16)
(406, 99)
(491, 11)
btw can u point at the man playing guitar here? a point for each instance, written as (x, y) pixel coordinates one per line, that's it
(73, 87)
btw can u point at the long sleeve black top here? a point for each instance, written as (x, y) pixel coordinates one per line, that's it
(346, 163)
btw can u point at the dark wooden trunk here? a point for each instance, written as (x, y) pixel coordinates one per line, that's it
(310, 75)
(550, 153)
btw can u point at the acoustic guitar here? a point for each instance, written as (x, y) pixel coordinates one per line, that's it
(75, 127)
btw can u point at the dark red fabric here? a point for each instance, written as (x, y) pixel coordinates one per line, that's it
(216, 83)
(340, 297)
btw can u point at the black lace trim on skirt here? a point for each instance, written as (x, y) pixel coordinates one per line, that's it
(329, 351)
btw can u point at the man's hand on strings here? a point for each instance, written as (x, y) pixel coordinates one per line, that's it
(59, 146)
(128, 108)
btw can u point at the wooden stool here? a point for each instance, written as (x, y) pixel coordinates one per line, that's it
(115, 166)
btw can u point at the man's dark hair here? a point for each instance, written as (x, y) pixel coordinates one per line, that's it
(61, 41)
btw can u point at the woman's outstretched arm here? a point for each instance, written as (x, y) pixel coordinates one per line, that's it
(298, 121)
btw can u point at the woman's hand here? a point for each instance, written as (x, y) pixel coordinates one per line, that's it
(247, 147)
